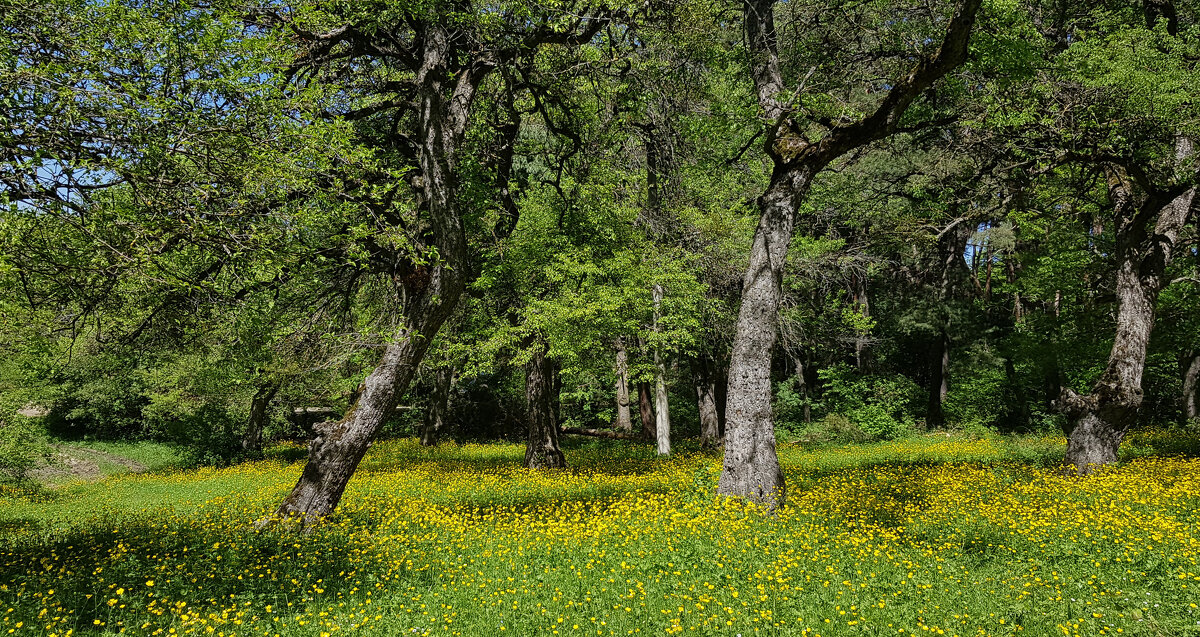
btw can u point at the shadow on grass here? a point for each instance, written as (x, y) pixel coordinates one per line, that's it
(151, 563)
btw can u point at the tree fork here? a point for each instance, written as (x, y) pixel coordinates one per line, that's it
(751, 467)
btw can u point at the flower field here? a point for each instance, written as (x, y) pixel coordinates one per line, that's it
(930, 535)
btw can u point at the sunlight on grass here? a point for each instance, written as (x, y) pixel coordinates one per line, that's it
(940, 535)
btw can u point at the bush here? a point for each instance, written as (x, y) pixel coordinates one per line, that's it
(834, 429)
(22, 447)
(882, 406)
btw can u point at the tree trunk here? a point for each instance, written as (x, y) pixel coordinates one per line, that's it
(430, 291)
(1098, 421)
(939, 381)
(1191, 385)
(541, 449)
(751, 467)
(623, 422)
(662, 417)
(706, 401)
(802, 384)
(646, 410)
(439, 404)
(862, 304)
(252, 439)
(600, 433)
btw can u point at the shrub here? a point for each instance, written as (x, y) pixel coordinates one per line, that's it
(22, 447)
(882, 406)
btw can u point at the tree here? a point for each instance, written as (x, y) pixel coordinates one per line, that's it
(751, 468)
(439, 56)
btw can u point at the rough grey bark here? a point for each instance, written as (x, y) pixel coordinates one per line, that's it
(662, 414)
(705, 380)
(1146, 234)
(439, 404)
(751, 467)
(1191, 385)
(623, 422)
(252, 439)
(541, 398)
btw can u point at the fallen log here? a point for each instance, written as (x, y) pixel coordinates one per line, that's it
(601, 433)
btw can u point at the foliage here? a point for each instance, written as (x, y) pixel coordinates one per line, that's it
(882, 407)
(22, 447)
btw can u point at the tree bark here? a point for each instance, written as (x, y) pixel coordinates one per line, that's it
(646, 411)
(706, 401)
(751, 468)
(662, 414)
(802, 383)
(430, 292)
(541, 448)
(939, 381)
(252, 439)
(600, 433)
(1146, 235)
(436, 410)
(862, 304)
(1191, 385)
(623, 422)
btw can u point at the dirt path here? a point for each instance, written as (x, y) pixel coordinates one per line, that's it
(74, 464)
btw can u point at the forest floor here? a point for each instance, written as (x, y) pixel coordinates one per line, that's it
(943, 535)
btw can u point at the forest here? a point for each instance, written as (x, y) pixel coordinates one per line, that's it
(334, 290)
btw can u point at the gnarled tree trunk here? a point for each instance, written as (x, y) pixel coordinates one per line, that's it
(751, 467)
(1146, 234)
(439, 405)
(541, 398)
(431, 291)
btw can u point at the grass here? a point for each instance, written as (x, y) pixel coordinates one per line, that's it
(927, 535)
(154, 456)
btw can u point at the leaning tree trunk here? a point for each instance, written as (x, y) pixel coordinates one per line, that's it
(541, 448)
(1191, 385)
(1097, 422)
(439, 404)
(252, 439)
(706, 402)
(623, 422)
(430, 291)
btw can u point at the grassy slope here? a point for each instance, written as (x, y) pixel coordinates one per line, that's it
(926, 534)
